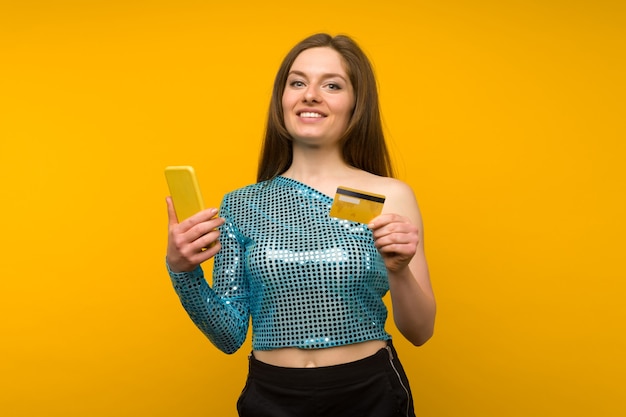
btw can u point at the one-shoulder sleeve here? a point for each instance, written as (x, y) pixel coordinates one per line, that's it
(221, 312)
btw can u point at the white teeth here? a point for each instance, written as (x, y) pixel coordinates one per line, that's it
(309, 114)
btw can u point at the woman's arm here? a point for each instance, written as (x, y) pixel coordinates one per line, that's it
(398, 236)
(221, 312)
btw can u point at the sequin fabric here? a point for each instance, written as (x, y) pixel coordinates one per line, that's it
(307, 280)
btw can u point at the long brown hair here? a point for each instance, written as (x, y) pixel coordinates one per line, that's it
(363, 142)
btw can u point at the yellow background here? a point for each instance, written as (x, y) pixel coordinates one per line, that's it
(507, 118)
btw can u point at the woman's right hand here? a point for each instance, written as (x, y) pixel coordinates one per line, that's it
(192, 241)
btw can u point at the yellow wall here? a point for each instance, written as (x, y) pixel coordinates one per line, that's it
(507, 117)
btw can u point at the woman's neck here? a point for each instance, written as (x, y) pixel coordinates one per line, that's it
(323, 171)
(316, 162)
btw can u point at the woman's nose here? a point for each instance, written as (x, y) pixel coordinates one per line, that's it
(311, 94)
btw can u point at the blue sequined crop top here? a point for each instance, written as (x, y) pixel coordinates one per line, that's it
(307, 280)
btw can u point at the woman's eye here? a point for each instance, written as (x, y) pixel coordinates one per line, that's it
(333, 86)
(296, 84)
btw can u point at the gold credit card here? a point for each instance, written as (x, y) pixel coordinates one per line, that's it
(356, 205)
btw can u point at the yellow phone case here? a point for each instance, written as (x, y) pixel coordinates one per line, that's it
(185, 191)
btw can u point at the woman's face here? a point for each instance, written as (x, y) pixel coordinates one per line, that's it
(318, 99)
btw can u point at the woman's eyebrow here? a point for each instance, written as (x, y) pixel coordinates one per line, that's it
(324, 76)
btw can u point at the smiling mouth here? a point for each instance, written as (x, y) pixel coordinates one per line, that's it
(310, 114)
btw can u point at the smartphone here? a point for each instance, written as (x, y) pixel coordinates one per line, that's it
(185, 191)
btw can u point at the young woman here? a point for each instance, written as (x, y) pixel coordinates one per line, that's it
(313, 284)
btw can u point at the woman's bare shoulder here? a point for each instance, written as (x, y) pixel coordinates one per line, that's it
(387, 186)
(399, 196)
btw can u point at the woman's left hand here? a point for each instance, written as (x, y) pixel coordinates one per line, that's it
(396, 239)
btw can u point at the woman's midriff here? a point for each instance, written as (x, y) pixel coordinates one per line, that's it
(314, 358)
